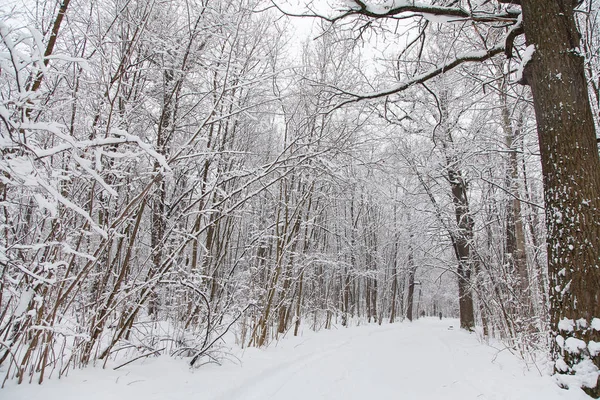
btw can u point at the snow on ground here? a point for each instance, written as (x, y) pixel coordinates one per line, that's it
(423, 360)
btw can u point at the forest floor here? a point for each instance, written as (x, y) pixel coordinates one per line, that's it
(423, 360)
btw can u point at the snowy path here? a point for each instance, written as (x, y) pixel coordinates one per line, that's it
(420, 361)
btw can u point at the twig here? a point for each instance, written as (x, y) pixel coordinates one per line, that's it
(137, 358)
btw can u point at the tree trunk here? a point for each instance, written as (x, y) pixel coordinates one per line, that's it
(571, 170)
(394, 293)
(515, 236)
(462, 247)
(395, 263)
(463, 236)
(411, 284)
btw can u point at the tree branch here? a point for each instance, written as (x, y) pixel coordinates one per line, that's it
(515, 31)
(478, 56)
(378, 11)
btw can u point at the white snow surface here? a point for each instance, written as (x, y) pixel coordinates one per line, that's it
(574, 345)
(566, 325)
(527, 56)
(423, 360)
(594, 348)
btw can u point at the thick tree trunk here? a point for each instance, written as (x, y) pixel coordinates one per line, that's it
(571, 170)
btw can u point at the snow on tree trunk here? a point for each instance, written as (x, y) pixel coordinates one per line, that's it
(571, 169)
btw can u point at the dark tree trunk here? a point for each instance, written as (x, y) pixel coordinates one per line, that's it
(394, 294)
(411, 284)
(463, 236)
(462, 247)
(571, 170)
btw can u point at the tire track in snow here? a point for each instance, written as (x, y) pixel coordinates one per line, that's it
(255, 387)
(260, 386)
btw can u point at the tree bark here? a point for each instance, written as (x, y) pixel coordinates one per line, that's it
(411, 282)
(462, 247)
(462, 244)
(515, 236)
(463, 236)
(571, 170)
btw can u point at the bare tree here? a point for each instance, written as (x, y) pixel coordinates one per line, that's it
(554, 68)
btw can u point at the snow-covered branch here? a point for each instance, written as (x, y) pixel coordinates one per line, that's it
(407, 8)
(477, 56)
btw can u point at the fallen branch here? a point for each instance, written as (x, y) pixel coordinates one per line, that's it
(137, 358)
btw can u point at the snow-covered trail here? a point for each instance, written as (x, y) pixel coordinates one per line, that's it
(423, 360)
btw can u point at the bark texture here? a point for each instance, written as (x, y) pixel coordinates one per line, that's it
(571, 169)
(462, 247)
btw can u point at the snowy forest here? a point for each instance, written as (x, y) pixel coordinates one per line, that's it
(176, 175)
